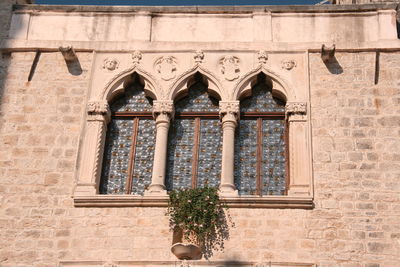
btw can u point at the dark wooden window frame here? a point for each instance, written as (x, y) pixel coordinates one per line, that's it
(259, 117)
(197, 116)
(135, 116)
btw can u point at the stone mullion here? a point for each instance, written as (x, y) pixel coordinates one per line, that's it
(163, 112)
(91, 160)
(229, 113)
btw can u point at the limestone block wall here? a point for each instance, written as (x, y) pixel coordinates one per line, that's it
(355, 222)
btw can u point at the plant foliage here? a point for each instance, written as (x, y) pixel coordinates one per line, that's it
(200, 214)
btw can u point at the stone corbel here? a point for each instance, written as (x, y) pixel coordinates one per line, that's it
(229, 111)
(68, 53)
(327, 52)
(296, 111)
(98, 111)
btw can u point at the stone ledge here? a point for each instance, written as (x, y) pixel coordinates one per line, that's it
(179, 263)
(279, 202)
(209, 9)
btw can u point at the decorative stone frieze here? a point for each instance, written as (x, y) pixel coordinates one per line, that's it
(110, 64)
(288, 64)
(198, 57)
(166, 67)
(136, 57)
(230, 67)
(262, 57)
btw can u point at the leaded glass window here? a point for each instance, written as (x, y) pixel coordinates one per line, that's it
(260, 145)
(129, 148)
(195, 141)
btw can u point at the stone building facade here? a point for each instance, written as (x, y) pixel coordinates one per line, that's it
(336, 68)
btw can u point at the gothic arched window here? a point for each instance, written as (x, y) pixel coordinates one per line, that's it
(261, 144)
(129, 148)
(195, 141)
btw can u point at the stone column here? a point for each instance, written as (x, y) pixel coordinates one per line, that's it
(92, 150)
(299, 156)
(229, 114)
(163, 112)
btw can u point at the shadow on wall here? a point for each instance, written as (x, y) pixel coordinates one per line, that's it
(333, 66)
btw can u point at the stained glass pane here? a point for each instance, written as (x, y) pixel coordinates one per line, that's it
(144, 155)
(210, 153)
(273, 163)
(197, 100)
(261, 100)
(116, 156)
(134, 100)
(180, 154)
(246, 157)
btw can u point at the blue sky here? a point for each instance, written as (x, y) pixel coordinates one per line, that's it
(176, 2)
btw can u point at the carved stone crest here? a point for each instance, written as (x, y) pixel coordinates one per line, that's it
(262, 56)
(230, 67)
(198, 56)
(166, 67)
(110, 64)
(136, 57)
(288, 64)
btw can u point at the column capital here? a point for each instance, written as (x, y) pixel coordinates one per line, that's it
(98, 110)
(229, 111)
(296, 111)
(164, 108)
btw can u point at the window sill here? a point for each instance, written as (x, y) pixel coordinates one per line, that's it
(279, 202)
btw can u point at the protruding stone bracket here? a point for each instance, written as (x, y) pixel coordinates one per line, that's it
(296, 111)
(163, 107)
(327, 53)
(229, 110)
(68, 53)
(98, 110)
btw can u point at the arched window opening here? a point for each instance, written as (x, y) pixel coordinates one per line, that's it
(261, 143)
(130, 141)
(195, 140)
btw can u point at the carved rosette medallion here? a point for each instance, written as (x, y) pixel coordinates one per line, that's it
(163, 109)
(166, 67)
(230, 67)
(229, 110)
(136, 57)
(262, 56)
(288, 64)
(98, 110)
(296, 111)
(198, 57)
(110, 64)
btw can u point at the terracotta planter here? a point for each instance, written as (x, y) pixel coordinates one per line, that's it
(186, 251)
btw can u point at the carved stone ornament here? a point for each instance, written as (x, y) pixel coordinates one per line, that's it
(262, 57)
(166, 67)
(230, 67)
(163, 107)
(198, 56)
(229, 108)
(288, 64)
(299, 108)
(136, 57)
(110, 64)
(98, 108)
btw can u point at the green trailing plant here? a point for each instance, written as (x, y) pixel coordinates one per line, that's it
(200, 214)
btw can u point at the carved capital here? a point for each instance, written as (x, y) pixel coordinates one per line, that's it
(164, 108)
(98, 110)
(229, 109)
(296, 111)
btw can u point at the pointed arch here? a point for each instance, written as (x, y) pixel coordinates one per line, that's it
(183, 82)
(117, 84)
(280, 88)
